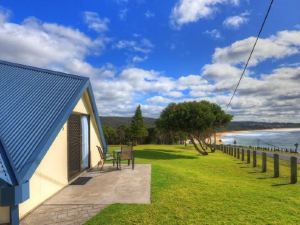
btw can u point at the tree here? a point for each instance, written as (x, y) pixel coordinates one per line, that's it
(110, 134)
(121, 132)
(198, 120)
(137, 128)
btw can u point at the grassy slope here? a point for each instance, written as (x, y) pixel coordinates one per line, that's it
(214, 189)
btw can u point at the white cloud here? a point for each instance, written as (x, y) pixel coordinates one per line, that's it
(281, 45)
(96, 23)
(188, 11)
(214, 33)
(149, 14)
(123, 14)
(38, 43)
(4, 14)
(235, 22)
(159, 100)
(174, 94)
(138, 59)
(272, 96)
(142, 46)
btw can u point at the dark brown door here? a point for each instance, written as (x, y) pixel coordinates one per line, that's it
(74, 146)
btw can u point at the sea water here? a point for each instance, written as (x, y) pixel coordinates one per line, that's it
(286, 138)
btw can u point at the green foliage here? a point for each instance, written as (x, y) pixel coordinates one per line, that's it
(192, 117)
(121, 135)
(137, 128)
(196, 120)
(110, 134)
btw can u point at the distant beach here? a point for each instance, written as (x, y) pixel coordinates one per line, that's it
(278, 137)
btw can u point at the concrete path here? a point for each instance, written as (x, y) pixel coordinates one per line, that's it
(75, 204)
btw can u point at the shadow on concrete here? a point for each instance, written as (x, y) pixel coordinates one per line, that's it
(160, 155)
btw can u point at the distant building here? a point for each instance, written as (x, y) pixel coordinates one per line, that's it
(49, 130)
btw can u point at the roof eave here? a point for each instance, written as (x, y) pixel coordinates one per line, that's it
(98, 120)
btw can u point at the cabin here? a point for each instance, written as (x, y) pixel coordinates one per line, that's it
(49, 133)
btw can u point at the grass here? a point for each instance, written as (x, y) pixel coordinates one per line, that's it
(214, 189)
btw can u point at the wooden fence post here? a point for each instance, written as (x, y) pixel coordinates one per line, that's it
(264, 162)
(254, 158)
(243, 154)
(248, 156)
(293, 170)
(234, 153)
(276, 165)
(238, 153)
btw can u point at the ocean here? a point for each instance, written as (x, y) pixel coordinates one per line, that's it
(286, 138)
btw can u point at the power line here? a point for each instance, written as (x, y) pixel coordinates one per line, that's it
(246, 65)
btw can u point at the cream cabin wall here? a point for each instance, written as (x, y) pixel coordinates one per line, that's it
(52, 173)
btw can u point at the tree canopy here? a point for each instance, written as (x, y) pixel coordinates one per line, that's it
(138, 130)
(198, 120)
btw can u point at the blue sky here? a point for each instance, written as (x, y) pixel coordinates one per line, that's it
(156, 52)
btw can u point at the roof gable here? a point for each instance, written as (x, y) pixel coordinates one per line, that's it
(35, 103)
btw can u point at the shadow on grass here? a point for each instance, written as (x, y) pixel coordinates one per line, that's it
(160, 154)
(278, 185)
(264, 178)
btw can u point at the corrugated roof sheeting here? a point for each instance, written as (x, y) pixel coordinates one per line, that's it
(31, 100)
(3, 171)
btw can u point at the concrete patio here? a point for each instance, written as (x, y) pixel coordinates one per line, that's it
(95, 190)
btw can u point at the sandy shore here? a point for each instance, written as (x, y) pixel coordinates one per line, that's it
(221, 134)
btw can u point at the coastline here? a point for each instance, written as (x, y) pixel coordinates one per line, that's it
(219, 135)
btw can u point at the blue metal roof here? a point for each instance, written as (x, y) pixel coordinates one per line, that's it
(34, 105)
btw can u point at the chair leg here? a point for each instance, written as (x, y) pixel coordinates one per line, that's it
(102, 165)
(132, 162)
(128, 162)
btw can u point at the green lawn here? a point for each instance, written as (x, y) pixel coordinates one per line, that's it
(214, 189)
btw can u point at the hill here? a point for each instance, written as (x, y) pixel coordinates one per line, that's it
(250, 125)
(115, 122)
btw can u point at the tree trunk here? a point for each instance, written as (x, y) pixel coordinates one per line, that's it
(196, 146)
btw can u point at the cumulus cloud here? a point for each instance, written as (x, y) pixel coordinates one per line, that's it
(139, 46)
(149, 14)
(96, 23)
(123, 14)
(214, 33)
(235, 22)
(188, 11)
(38, 43)
(271, 96)
(142, 46)
(266, 97)
(281, 45)
(4, 14)
(159, 100)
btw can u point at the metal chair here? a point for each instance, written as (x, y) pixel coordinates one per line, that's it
(127, 153)
(105, 158)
